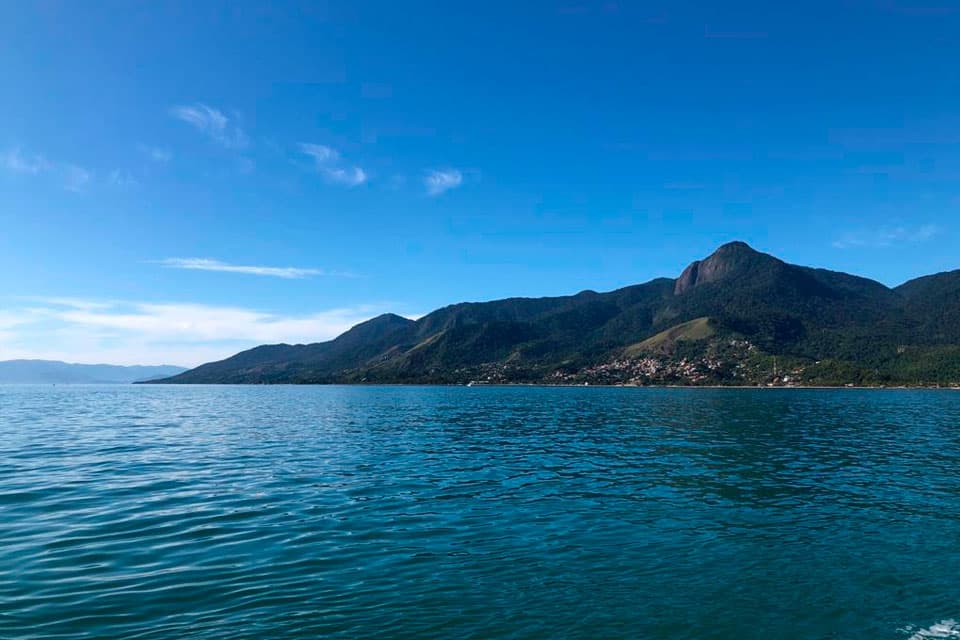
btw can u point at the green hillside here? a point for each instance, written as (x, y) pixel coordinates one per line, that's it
(665, 341)
(737, 317)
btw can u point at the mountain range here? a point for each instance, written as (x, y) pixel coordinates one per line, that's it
(55, 372)
(737, 317)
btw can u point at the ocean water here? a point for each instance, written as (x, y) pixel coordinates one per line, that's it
(423, 512)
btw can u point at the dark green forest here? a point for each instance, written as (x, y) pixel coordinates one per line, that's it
(738, 317)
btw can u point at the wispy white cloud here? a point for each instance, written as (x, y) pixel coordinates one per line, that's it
(196, 322)
(327, 161)
(20, 162)
(75, 178)
(352, 177)
(212, 123)
(9, 319)
(321, 153)
(159, 333)
(208, 264)
(442, 180)
(886, 237)
(72, 177)
(72, 303)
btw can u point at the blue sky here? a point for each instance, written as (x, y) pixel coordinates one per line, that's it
(179, 181)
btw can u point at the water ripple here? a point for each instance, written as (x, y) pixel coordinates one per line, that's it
(300, 512)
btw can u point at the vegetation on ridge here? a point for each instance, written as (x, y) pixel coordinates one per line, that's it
(737, 317)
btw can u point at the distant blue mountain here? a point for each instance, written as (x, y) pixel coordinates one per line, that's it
(54, 372)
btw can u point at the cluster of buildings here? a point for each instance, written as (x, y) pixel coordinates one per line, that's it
(647, 370)
(730, 362)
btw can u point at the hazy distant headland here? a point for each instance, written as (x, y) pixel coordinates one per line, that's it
(56, 372)
(737, 317)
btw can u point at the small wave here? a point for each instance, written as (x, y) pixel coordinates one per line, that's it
(943, 629)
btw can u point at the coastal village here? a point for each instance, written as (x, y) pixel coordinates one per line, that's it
(736, 363)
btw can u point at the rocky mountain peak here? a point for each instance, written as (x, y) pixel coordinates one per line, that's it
(721, 263)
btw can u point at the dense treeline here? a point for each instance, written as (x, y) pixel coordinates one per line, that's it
(825, 327)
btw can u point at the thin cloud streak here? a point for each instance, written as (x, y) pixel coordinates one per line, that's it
(72, 303)
(187, 334)
(327, 161)
(886, 237)
(209, 264)
(352, 177)
(441, 181)
(212, 123)
(74, 178)
(8, 320)
(321, 153)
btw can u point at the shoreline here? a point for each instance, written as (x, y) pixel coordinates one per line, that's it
(549, 386)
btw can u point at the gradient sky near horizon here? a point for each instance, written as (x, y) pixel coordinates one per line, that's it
(182, 180)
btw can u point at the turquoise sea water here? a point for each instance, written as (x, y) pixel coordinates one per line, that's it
(418, 512)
